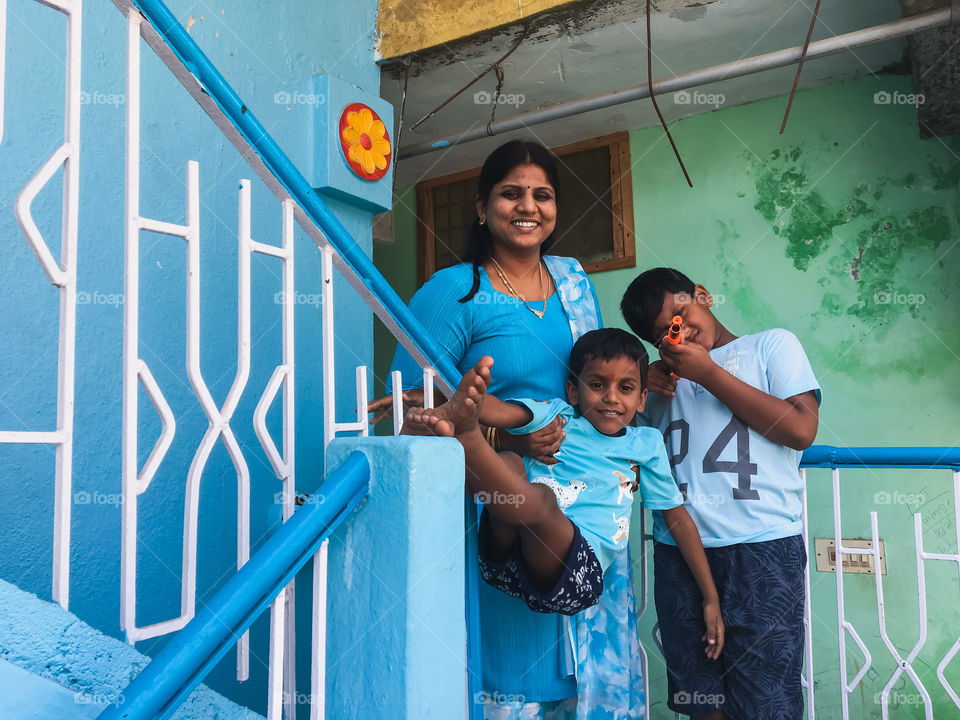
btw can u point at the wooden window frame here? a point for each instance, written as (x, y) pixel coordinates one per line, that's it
(621, 206)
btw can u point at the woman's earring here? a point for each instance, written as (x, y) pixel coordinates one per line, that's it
(483, 218)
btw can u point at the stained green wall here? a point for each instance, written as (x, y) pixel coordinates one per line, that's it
(845, 230)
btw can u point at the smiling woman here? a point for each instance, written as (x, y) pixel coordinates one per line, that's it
(513, 302)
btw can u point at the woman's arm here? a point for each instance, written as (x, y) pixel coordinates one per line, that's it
(685, 533)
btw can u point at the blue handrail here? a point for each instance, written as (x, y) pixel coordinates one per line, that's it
(826, 456)
(185, 660)
(276, 161)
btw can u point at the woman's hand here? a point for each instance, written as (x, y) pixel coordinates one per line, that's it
(540, 445)
(383, 407)
(714, 634)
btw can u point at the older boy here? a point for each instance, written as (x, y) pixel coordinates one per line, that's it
(736, 412)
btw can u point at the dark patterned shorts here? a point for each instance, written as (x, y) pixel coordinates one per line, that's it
(578, 588)
(757, 676)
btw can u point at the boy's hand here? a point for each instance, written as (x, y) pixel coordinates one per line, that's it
(659, 380)
(688, 360)
(713, 619)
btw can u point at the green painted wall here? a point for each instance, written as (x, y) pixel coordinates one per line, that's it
(845, 230)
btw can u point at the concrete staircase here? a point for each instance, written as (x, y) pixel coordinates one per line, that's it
(53, 666)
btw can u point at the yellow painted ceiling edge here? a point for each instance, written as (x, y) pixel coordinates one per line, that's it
(406, 26)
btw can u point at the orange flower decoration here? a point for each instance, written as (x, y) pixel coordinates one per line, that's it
(365, 142)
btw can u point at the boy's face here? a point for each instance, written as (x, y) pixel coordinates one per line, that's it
(608, 393)
(699, 324)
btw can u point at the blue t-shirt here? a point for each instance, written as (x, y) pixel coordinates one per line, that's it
(738, 486)
(531, 353)
(595, 473)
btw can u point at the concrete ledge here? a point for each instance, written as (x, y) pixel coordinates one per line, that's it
(396, 642)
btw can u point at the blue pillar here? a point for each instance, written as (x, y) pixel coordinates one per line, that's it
(396, 627)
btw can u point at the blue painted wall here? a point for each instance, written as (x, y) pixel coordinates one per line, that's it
(270, 53)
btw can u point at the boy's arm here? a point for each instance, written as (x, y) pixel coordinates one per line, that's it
(684, 532)
(791, 422)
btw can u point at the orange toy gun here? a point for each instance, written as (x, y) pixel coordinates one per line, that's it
(675, 335)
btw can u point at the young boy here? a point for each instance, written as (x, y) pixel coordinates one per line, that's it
(735, 415)
(548, 532)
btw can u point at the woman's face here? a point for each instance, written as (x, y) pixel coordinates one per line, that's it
(522, 209)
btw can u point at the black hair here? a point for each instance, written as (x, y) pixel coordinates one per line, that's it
(643, 300)
(495, 168)
(607, 344)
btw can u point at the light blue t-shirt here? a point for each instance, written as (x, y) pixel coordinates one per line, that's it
(530, 353)
(595, 473)
(739, 486)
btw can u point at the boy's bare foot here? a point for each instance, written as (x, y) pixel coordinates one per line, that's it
(461, 413)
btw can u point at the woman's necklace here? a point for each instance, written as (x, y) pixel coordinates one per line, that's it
(513, 291)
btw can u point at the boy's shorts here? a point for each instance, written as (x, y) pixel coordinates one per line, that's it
(578, 588)
(761, 587)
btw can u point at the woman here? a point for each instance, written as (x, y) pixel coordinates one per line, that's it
(534, 665)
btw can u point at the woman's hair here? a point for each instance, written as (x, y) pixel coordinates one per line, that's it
(495, 168)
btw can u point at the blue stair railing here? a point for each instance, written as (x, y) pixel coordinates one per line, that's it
(185, 660)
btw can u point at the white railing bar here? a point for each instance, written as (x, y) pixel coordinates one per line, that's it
(942, 666)
(233, 397)
(266, 249)
(3, 57)
(903, 665)
(867, 658)
(428, 376)
(131, 332)
(396, 382)
(32, 437)
(318, 668)
(326, 302)
(363, 425)
(28, 227)
(807, 679)
(289, 443)
(260, 426)
(191, 506)
(275, 672)
(842, 624)
(168, 427)
(136, 634)
(162, 227)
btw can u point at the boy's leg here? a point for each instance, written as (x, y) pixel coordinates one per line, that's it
(545, 533)
(764, 601)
